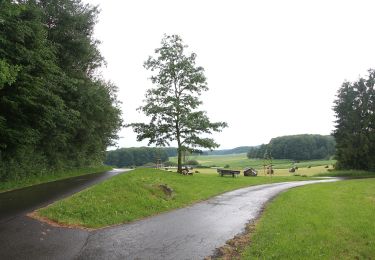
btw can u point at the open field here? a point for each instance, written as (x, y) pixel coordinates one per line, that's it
(321, 221)
(240, 161)
(138, 194)
(313, 171)
(33, 180)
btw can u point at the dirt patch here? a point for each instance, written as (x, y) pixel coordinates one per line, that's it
(35, 215)
(235, 246)
(166, 189)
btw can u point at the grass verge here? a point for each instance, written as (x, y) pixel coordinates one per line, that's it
(33, 180)
(320, 221)
(142, 193)
(347, 173)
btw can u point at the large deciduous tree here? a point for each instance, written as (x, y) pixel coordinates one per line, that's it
(55, 113)
(173, 103)
(355, 124)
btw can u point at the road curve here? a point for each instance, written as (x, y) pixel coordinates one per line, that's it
(188, 233)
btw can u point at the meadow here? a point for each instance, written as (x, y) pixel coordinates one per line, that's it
(312, 171)
(240, 161)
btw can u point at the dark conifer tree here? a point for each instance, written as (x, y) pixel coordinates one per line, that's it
(354, 133)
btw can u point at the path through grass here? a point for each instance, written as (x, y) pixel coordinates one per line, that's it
(137, 194)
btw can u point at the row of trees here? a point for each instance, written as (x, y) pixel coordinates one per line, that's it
(296, 147)
(236, 150)
(55, 111)
(137, 156)
(355, 124)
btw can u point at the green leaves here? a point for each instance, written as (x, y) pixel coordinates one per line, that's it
(173, 103)
(8, 73)
(52, 109)
(355, 124)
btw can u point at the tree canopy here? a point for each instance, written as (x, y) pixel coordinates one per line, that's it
(55, 111)
(173, 103)
(135, 156)
(296, 147)
(355, 124)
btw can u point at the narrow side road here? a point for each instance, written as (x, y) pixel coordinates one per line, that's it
(21, 201)
(188, 233)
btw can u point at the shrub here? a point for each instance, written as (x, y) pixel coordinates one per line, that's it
(169, 163)
(192, 162)
(226, 166)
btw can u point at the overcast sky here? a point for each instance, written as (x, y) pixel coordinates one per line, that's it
(273, 67)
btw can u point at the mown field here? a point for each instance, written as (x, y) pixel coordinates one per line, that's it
(312, 171)
(138, 194)
(320, 221)
(240, 161)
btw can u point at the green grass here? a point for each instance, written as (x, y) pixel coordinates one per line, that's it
(136, 195)
(33, 180)
(240, 161)
(312, 171)
(347, 173)
(320, 221)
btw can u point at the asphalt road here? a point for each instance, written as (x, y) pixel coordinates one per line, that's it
(188, 233)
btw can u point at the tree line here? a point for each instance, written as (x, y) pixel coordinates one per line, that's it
(137, 156)
(355, 124)
(55, 110)
(296, 147)
(236, 150)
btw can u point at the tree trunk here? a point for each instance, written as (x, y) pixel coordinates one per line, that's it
(179, 159)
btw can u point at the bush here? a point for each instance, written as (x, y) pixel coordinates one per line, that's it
(169, 163)
(226, 166)
(192, 162)
(149, 165)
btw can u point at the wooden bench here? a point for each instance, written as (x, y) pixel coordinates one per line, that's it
(223, 172)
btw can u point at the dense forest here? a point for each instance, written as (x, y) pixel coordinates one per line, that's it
(136, 156)
(55, 110)
(296, 147)
(355, 124)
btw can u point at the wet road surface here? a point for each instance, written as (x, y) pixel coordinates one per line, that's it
(21, 201)
(188, 233)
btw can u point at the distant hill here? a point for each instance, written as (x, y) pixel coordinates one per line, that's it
(237, 150)
(172, 151)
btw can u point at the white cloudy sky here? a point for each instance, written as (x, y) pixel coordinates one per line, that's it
(273, 67)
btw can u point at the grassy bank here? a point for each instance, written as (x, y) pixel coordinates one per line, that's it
(347, 173)
(33, 180)
(321, 221)
(240, 161)
(138, 194)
